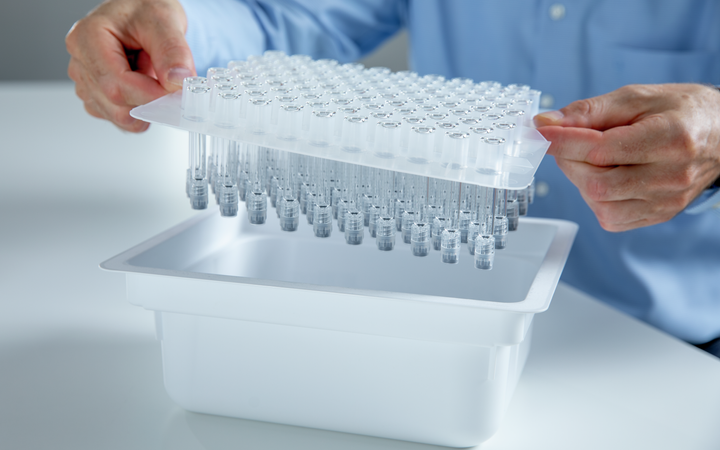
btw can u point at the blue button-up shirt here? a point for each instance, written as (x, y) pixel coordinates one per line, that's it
(668, 274)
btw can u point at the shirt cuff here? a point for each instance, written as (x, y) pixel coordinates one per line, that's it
(221, 31)
(709, 199)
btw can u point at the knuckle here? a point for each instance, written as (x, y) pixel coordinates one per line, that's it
(686, 143)
(604, 213)
(597, 189)
(676, 204)
(121, 117)
(73, 71)
(92, 110)
(598, 156)
(637, 91)
(81, 92)
(174, 47)
(682, 178)
(583, 107)
(686, 177)
(112, 90)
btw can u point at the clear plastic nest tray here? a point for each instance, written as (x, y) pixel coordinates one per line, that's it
(259, 325)
(457, 130)
(516, 171)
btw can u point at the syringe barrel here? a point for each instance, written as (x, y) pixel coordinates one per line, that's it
(484, 251)
(438, 226)
(227, 107)
(490, 151)
(354, 133)
(373, 214)
(455, 150)
(420, 144)
(464, 219)
(258, 114)
(385, 235)
(513, 214)
(198, 193)
(387, 138)
(400, 206)
(290, 118)
(450, 246)
(188, 82)
(289, 214)
(500, 231)
(256, 202)
(322, 220)
(408, 218)
(197, 155)
(354, 227)
(473, 232)
(228, 199)
(321, 133)
(343, 206)
(196, 99)
(421, 239)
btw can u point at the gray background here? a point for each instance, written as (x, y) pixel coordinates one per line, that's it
(32, 40)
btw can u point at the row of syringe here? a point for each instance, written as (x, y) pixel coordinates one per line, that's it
(423, 119)
(428, 212)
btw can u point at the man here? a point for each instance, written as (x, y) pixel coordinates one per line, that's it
(644, 158)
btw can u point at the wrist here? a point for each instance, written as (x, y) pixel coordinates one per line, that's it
(716, 183)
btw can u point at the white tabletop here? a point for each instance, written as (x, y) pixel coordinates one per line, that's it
(80, 368)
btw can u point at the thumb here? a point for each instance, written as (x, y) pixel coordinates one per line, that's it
(603, 112)
(162, 35)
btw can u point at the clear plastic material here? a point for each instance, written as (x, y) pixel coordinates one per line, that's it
(484, 252)
(450, 246)
(322, 221)
(438, 226)
(429, 158)
(385, 234)
(421, 238)
(289, 214)
(473, 232)
(363, 117)
(257, 206)
(354, 227)
(408, 219)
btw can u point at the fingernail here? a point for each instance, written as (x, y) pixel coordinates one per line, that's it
(548, 118)
(176, 75)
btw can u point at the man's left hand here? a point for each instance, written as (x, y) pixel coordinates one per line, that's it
(639, 155)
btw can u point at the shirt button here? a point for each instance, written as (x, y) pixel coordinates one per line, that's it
(547, 101)
(557, 11)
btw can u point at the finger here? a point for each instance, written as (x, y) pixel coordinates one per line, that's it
(92, 109)
(642, 142)
(620, 107)
(615, 183)
(120, 116)
(572, 143)
(629, 214)
(144, 65)
(117, 114)
(162, 35)
(105, 64)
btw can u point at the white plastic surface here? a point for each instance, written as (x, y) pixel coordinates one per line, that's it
(255, 325)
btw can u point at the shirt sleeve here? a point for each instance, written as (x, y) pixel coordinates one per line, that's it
(223, 30)
(708, 200)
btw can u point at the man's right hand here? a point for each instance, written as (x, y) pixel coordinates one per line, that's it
(126, 53)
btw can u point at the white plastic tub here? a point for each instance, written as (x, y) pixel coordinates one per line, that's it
(266, 325)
